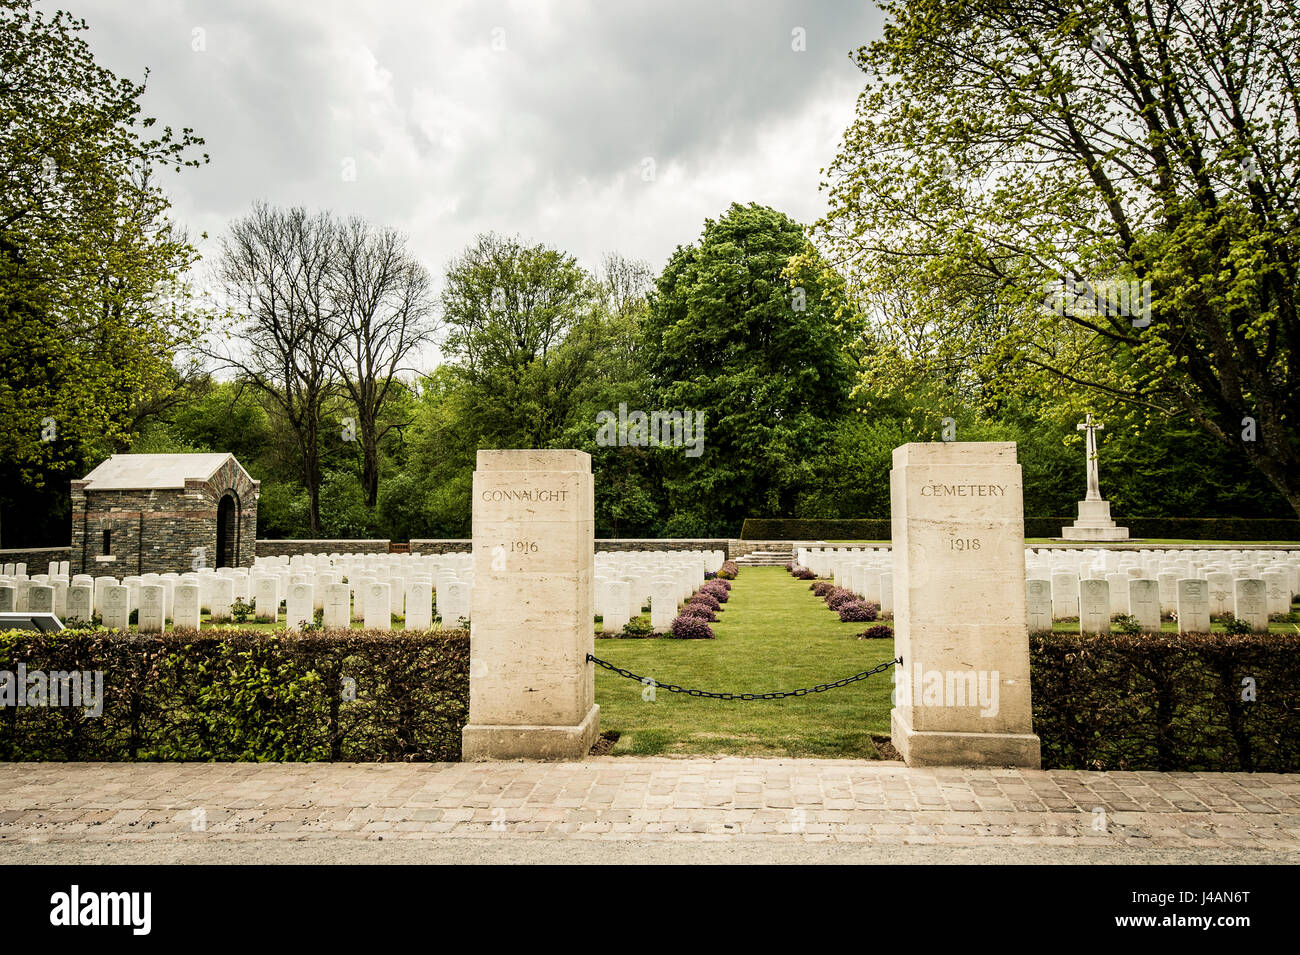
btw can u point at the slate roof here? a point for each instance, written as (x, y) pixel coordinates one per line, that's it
(149, 472)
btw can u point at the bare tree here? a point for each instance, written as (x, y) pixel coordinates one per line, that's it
(383, 312)
(274, 266)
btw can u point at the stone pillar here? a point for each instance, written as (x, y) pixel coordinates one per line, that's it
(532, 690)
(963, 696)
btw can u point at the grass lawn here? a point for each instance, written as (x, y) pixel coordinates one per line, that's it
(773, 634)
(1092, 545)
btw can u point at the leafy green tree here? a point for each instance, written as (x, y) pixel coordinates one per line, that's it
(1004, 146)
(747, 326)
(90, 296)
(522, 335)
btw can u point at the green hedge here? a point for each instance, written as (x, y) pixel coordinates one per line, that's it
(1167, 701)
(245, 695)
(1175, 528)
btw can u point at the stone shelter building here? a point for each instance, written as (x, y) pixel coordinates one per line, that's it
(161, 513)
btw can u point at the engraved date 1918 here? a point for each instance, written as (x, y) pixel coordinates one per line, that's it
(963, 543)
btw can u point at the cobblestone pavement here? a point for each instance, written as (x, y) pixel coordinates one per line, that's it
(649, 800)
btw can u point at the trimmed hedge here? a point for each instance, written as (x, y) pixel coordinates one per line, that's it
(1167, 701)
(246, 695)
(1175, 528)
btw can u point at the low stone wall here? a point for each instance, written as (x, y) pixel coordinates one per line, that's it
(37, 559)
(447, 545)
(454, 545)
(281, 548)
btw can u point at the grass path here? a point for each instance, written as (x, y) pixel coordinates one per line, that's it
(773, 634)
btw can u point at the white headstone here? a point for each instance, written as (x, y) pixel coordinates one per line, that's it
(222, 591)
(379, 607)
(185, 606)
(117, 607)
(419, 605)
(8, 595)
(1193, 605)
(1251, 603)
(1221, 593)
(613, 602)
(80, 603)
(1144, 603)
(663, 604)
(266, 597)
(1038, 604)
(337, 606)
(153, 606)
(40, 598)
(300, 607)
(1094, 606)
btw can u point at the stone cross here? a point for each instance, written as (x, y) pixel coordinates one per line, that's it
(1088, 425)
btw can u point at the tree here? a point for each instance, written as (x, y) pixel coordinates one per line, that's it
(282, 335)
(748, 327)
(522, 333)
(1007, 146)
(383, 308)
(90, 300)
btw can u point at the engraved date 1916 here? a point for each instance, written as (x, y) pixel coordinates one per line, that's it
(524, 547)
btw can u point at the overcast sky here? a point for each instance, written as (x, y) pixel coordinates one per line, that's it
(537, 118)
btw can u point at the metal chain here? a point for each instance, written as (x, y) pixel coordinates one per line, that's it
(780, 695)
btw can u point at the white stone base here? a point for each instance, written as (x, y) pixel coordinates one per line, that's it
(1021, 750)
(1094, 524)
(483, 743)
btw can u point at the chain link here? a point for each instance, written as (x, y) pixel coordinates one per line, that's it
(779, 695)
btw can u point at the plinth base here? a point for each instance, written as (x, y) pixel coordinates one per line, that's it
(482, 743)
(1021, 750)
(1077, 533)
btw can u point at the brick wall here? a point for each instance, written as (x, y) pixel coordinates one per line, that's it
(282, 548)
(37, 559)
(163, 530)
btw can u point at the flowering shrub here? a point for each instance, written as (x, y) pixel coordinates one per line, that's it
(821, 588)
(880, 631)
(789, 568)
(715, 589)
(700, 612)
(729, 570)
(837, 597)
(803, 573)
(699, 598)
(691, 628)
(721, 581)
(857, 612)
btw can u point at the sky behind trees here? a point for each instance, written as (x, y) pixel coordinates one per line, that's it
(530, 118)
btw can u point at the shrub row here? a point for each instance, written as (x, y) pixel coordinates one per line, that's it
(1177, 528)
(352, 695)
(1189, 702)
(701, 610)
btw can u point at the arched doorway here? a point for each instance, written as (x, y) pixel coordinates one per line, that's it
(227, 531)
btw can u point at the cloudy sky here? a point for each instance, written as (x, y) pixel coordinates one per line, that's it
(590, 126)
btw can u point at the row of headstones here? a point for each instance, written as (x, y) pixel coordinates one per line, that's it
(449, 575)
(218, 589)
(19, 569)
(1095, 600)
(627, 581)
(1220, 568)
(1277, 589)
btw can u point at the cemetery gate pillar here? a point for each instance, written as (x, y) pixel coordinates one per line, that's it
(532, 689)
(962, 696)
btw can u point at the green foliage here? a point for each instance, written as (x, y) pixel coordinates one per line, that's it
(245, 695)
(746, 326)
(91, 299)
(1000, 148)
